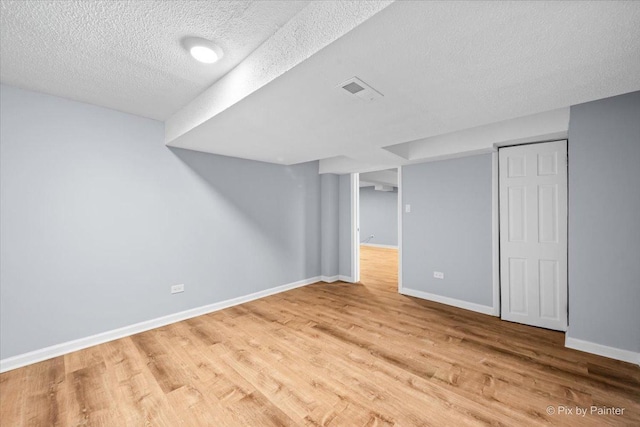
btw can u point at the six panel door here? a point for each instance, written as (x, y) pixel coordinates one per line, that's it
(533, 234)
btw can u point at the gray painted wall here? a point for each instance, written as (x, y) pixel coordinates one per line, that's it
(98, 219)
(449, 228)
(379, 216)
(344, 228)
(329, 225)
(604, 222)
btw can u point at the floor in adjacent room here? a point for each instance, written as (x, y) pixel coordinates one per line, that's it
(327, 354)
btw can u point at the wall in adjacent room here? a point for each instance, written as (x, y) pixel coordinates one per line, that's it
(449, 229)
(99, 218)
(604, 222)
(379, 216)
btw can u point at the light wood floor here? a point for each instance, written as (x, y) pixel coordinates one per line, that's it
(326, 354)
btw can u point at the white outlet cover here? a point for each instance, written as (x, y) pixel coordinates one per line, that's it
(438, 275)
(177, 288)
(407, 208)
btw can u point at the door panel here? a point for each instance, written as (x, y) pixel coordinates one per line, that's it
(548, 213)
(533, 234)
(517, 214)
(549, 288)
(516, 166)
(548, 164)
(518, 285)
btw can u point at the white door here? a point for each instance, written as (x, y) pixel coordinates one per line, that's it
(533, 234)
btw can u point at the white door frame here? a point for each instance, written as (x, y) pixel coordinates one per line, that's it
(355, 227)
(495, 226)
(400, 229)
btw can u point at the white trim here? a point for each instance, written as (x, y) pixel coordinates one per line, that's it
(495, 232)
(400, 216)
(377, 245)
(602, 350)
(484, 309)
(338, 278)
(79, 344)
(355, 227)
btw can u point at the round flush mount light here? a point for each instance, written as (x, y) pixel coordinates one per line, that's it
(202, 50)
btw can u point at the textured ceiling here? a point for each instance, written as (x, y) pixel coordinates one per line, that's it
(315, 27)
(442, 67)
(126, 55)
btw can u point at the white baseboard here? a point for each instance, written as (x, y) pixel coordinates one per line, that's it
(484, 309)
(602, 350)
(339, 278)
(377, 245)
(79, 344)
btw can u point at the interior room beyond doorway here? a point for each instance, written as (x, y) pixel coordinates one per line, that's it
(378, 226)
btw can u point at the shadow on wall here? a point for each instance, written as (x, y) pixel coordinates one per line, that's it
(281, 203)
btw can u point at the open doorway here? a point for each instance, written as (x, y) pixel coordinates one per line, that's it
(378, 199)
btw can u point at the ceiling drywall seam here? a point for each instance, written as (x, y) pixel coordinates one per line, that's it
(296, 41)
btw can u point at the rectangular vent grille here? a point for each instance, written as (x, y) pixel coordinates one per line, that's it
(353, 87)
(356, 87)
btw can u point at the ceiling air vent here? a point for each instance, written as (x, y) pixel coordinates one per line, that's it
(352, 87)
(356, 87)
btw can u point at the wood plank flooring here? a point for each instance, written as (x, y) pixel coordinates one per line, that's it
(327, 354)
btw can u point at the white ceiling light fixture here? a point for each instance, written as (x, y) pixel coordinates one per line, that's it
(202, 50)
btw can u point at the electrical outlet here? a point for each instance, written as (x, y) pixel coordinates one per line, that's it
(407, 208)
(177, 288)
(438, 275)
